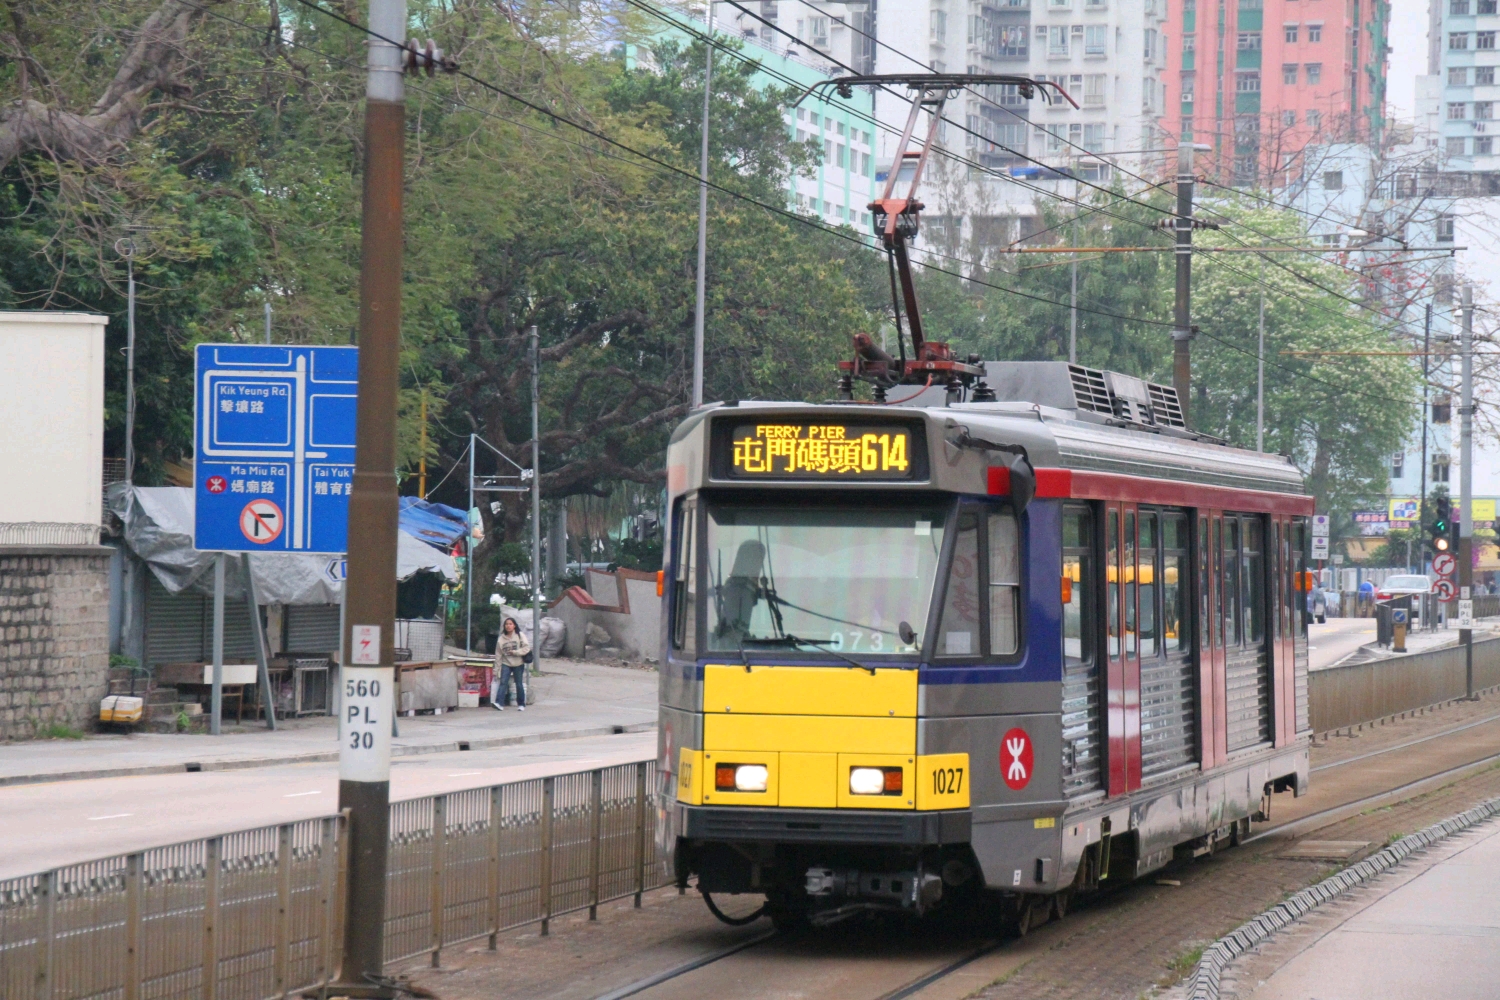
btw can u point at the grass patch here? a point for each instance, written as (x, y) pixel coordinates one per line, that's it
(1182, 966)
(59, 731)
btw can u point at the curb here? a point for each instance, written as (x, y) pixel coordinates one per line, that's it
(321, 757)
(1205, 984)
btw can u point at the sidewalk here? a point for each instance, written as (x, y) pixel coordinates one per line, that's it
(573, 698)
(1427, 929)
(1421, 640)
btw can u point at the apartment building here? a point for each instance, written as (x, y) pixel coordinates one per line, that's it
(1259, 80)
(1462, 94)
(840, 188)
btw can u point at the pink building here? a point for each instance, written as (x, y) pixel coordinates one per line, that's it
(1260, 79)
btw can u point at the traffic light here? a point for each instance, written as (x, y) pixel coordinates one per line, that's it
(1442, 526)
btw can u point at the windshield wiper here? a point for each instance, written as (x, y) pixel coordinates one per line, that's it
(790, 641)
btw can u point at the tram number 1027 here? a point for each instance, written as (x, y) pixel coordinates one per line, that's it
(948, 781)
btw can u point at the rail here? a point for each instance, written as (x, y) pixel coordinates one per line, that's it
(257, 914)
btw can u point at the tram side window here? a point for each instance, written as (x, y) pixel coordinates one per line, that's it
(1299, 567)
(1005, 584)
(961, 603)
(1145, 576)
(1229, 590)
(1112, 576)
(1131, 624)
(1252, 581)
(685, 612)
(1078, 582)
(1205, 576)
(1174, 583)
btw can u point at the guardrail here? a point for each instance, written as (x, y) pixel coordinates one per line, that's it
(1360, 692)
(258, 913)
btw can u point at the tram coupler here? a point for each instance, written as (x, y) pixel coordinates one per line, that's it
(911, 890)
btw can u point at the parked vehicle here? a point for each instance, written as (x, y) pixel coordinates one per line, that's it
(1410, 584)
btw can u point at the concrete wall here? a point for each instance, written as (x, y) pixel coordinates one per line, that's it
(54, 636)
(1361, 692)
(53, 445)
(623, 603)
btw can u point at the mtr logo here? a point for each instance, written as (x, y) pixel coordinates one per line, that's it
(1016, 759)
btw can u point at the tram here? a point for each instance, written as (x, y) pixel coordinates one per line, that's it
(1020, 631)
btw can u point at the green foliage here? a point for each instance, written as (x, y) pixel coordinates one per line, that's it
(645, 555)
(242, 186)
(59, 731)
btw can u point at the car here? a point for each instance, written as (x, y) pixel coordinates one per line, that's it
(1412, 584)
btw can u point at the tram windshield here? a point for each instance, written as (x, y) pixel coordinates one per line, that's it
(821, 579)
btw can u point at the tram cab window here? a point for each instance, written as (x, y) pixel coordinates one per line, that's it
(1174, 582)
(1229, 590)
(685, 584)
(820, 578)
(982, 601)
(1078, 582)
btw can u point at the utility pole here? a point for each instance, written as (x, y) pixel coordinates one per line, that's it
(536, 501)
(1260, 366)
(422, 454)
(1182, 324)
(700, 290)
(368, 673)
(1466, 486)
(1073, 289)
(469, 556)
(268, 322)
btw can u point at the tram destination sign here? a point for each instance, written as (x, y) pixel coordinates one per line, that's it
(795, 448)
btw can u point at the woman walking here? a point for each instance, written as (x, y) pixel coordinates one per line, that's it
(511, 653)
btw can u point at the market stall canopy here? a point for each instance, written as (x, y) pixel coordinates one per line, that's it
(159, 529)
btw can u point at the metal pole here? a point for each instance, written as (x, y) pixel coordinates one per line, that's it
(708, 78)
(262, 648)
(1260, 369)
(1182, 326)
(130, 363)
(422, 456)
(536, 501)
(367, 713)
(1073, 295)
(469, 560)
(216, 702)
(268, 322)
(1466, 483)
(1422, 498)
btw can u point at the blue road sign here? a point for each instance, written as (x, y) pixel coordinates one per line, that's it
(274, 443)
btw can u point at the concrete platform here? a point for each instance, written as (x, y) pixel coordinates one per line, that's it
(572, 699)
(1430, 928)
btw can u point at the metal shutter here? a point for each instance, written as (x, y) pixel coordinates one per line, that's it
(1247, 690)
(1169, 717)
(312, 628)
(174, 624)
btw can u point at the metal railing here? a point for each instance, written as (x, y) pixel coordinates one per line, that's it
(258, 914)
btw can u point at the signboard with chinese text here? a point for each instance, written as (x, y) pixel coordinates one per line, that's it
(785, 449)
(274, 447)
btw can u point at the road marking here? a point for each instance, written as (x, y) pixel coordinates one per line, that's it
(111, 816)
(464, 774)
(296, 795)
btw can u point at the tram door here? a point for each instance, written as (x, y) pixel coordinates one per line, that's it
(1123, 672)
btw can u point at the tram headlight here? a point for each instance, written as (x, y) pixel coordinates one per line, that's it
(875, 781)
(741, 777)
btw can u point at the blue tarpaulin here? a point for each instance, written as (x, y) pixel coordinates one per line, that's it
(436, 524)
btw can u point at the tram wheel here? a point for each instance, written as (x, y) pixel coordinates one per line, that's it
(1060, 903)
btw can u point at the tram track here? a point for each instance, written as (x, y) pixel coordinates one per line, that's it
(1332, 813)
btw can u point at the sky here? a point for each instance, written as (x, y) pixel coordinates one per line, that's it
(1408, 56)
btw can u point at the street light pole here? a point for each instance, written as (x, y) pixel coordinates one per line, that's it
(700, 282)
(368, 675)
(126, 248)
(1260, 367)
(536, 501)
(1466, 484)
(1422, 497)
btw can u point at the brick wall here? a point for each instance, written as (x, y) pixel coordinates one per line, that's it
(54, 637)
